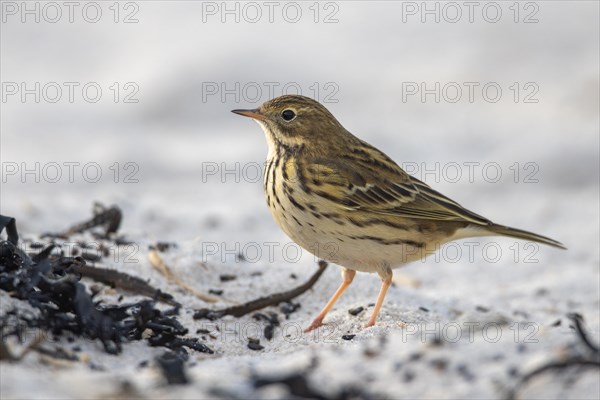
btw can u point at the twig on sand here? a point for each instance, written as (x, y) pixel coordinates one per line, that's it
(107, 217)
(591, 359)
(262, 302)
(123, 281)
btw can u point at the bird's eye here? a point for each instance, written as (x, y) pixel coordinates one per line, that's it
(288, 115)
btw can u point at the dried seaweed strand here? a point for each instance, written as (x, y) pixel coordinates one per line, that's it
(51, 285)
(109, 217)
(577, 320)
(592, 360)
(124, 281)
(262, 302)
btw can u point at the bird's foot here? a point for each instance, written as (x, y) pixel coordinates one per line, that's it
(314, 325)
(370, 324)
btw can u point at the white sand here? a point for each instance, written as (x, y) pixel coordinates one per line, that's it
(174, 137)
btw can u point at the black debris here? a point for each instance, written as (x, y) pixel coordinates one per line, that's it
(96, 367)
(254, 344)
(205, 313)
(177, 343)
(91, 256)
(272, 321)
(162, 246)
(482, 309)
(408, 376)
(424, 309)
(465, 372)
(10, 224)
(269, 332)
(92, 322)
(108, 218)
(356, 310)
(299, 387)
(217, 292)
(173, 369)
(296, 384)
(121, 241)
(288, 308)
(348, 337)
(227, 277)
(272, 318)
(520, 313)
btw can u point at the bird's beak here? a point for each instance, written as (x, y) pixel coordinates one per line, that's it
(250, 113)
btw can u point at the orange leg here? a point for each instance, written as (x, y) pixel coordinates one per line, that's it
(347, 276)
(386, 281)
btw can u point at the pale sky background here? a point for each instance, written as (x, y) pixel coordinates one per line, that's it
(359, 65)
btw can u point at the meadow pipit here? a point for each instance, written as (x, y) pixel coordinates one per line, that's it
(347, 202)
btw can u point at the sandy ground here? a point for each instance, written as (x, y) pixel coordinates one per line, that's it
(467, 323)
(495, 319)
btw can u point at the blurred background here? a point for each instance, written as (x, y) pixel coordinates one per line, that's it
(129, 103)
(495, 104)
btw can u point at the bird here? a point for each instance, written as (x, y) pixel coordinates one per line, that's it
(348, 203)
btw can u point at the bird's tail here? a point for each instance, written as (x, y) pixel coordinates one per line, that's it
(521, 234)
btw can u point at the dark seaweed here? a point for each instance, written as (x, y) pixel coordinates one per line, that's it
(50, 284)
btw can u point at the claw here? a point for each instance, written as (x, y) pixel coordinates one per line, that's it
(314, 325)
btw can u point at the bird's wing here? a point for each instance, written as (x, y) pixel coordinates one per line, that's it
(380, 186)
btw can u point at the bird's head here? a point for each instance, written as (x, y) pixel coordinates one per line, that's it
(294, 120)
